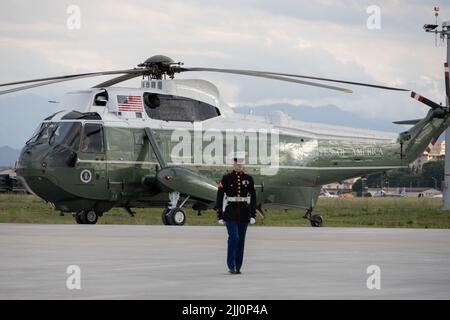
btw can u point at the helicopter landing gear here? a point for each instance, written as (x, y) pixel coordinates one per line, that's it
(77, 217)
(131, 213)
(174, 215)
(314, 219)
(165, 217)
(86, 217)
(177, 217)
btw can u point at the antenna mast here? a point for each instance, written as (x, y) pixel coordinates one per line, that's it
(444, 33)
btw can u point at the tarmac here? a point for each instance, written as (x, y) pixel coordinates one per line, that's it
(173, 263)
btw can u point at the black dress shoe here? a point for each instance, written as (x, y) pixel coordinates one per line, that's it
(232, 271)
(238, 272)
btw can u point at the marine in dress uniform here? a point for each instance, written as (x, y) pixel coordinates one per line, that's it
(236, 208)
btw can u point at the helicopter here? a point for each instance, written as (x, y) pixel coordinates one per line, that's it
(168, 143)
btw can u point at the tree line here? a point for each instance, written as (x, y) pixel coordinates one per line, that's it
(431, 176)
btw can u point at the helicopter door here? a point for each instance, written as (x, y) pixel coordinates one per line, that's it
(121, 163)
(92, 160)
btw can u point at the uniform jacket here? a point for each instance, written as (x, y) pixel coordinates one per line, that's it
(236, 184)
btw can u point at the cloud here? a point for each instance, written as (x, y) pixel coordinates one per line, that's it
(324, 38)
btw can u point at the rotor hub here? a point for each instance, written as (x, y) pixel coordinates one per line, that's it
(157, 59)
(160, 65)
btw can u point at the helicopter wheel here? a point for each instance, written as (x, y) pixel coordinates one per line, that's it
(173, 217)
(316, 220)
(165, 217)
(86, 217)
(77, 216)
(177, 217)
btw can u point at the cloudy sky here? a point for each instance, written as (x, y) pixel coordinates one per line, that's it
(327, 38)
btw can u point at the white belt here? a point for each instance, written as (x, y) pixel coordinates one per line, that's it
(238, 199)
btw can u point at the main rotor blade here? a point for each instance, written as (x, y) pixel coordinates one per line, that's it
(428, 102)
(296, 76)
(268, 76)
(72, 76)
(40, 84)
(116, 80)
(342, 81)
(44, 83)
(131, 73)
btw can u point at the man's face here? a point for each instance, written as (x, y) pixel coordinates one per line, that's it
(238, 167)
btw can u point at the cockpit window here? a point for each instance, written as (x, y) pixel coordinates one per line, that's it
(66, 133)
(44, 132)
(172, 108)
(35, 134)
(57, 133)
(92, 138)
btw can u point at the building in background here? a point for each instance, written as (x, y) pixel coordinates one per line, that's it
(435, 153)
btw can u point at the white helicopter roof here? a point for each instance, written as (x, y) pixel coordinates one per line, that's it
(286, 124)
(204, 91)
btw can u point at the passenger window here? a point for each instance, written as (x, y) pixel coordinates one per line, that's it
(92, 138)
(120, 143)
(173, 108)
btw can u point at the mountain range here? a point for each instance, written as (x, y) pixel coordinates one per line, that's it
(8, 156)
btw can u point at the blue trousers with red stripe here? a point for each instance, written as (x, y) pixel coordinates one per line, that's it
(236, 242)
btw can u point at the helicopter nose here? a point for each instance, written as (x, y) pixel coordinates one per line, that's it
(38, 169)
(30, 159)
(31, 169)
(23, 167)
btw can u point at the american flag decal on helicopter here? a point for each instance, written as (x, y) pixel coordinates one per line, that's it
(130, 103)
